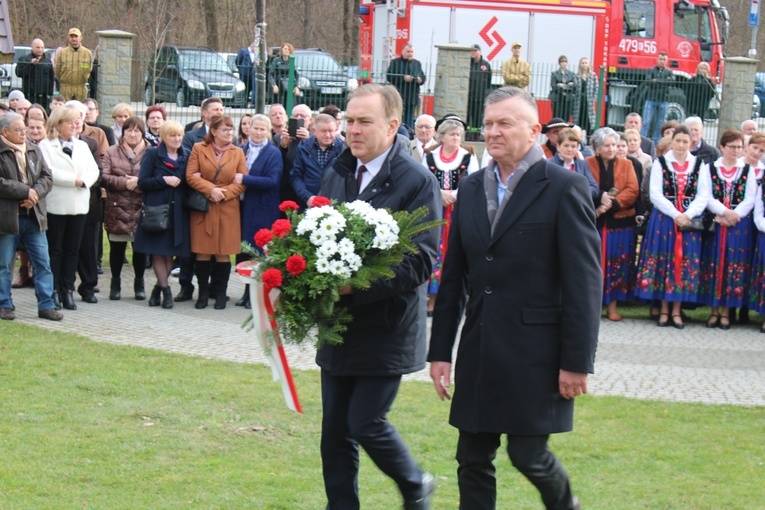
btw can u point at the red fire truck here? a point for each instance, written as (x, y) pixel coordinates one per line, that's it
(621, 37)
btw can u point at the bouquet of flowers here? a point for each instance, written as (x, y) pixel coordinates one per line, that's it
(310, 257)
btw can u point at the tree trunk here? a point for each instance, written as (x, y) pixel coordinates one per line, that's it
(307, 22)
(211, 22)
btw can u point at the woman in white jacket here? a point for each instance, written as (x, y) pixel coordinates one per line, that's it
(74, 171)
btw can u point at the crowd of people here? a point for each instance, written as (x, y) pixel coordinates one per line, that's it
(674, 223)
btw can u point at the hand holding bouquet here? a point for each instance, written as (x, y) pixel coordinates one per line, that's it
(310, 257)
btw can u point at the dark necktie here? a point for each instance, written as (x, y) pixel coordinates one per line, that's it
(359, 177)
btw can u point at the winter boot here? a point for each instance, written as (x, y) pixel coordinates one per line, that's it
(167, 298)
(116, 289)
(222, 274)
(202, 269)
(154, 298)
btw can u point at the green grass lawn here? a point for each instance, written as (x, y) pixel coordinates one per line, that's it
(91, 425)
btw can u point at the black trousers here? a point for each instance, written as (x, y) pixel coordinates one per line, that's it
(354, 413)
(117, 257)
(186, 274)
(64, 235)
(87, 263)
(528, 454)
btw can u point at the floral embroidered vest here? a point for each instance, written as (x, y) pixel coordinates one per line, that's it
(454, 175)
(737, 191)
(670, 183)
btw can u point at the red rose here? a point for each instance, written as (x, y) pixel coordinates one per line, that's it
(288, 205)
(645, 283)
(272, 278)
(262, 237)
(295, 264)
(319, 201)
(281, 228)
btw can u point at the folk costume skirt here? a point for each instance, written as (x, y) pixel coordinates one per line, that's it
(727, 284)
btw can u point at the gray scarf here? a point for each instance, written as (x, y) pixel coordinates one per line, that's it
(493, 208)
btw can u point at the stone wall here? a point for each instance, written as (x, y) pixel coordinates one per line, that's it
(737, 92)
(452, 80)
(115, 67)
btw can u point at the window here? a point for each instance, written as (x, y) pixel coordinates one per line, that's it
(639, 18)
(692, 22)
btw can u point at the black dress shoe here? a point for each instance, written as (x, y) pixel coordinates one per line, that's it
(56, 300)
(67, 300)
(186, 294)
(90, 298)
(426, 493)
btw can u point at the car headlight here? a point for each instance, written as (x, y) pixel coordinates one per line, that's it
(239, 86)
(353, 84)
(195, 84)
(304, 83)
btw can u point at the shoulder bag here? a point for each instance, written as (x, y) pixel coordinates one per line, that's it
(196, 200)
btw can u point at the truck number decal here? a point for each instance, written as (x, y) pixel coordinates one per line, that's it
(637, 46)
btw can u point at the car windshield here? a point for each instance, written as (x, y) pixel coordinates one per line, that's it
(203, 61)
(317, 62)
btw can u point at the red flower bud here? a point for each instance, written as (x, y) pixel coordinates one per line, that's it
(281, 228)
(262, 237)
(319, 201)
(271, 278)
(295, 264)
(288, 205)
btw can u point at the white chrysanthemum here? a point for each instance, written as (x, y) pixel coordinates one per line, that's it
(322, 265)
(327, 250)
(353, 261)
(319, 237)
(306, 225)
(330, 226)
(338, 268)
(360, 207)
(316, 213)
(346, 247)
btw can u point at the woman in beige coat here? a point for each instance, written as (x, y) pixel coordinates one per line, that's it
(217, 232)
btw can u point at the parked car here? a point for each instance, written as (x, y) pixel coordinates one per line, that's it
(322, 81)
(230, 59)
(8, 79)
(714, 104)
(759, 90)
(188, 76)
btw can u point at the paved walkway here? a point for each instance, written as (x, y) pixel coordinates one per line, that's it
(635, 358)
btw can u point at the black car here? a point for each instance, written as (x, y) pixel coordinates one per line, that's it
(321, 79)
(188, 76)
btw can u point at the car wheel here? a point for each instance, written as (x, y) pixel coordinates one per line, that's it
(180, 98)
(148, 96)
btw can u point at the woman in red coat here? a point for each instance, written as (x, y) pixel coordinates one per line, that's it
(212, 165)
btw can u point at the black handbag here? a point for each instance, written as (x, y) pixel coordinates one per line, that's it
(196, 200)
(699, 224)
(155, 218)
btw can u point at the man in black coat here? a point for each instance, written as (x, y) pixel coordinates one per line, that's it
(405, 73)
(36, 72)
(480, 81)
(699, 147)
(525, 252)
(387, 337)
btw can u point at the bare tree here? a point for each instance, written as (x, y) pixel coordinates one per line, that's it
(211, 22)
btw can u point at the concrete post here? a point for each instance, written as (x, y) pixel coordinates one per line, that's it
(115, 68)
(737, 92)
(452, 80)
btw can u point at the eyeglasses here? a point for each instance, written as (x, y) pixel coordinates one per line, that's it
(424, 127)
(19, 130)
(225, 130)
(735, 147)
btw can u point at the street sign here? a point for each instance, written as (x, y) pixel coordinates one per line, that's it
(754, 14)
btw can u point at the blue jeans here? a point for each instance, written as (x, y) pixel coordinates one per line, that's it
(36, 244)
(654, 112)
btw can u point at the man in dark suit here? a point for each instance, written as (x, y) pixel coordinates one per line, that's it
(246, 61)
(386, 339)
(635, 121)
(525, 251)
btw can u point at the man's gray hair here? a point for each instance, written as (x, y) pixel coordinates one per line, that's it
(635, 115)
(694, 121)
(504, 93)
(6, 121)
(600, 136)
